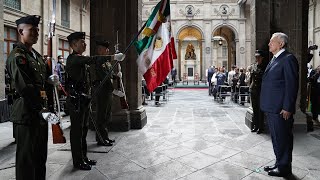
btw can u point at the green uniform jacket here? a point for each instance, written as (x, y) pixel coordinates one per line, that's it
(103, 69)
(28, 77)
(256, 76)
(77, 71)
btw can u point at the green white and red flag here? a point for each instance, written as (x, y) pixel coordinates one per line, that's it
(156, 50)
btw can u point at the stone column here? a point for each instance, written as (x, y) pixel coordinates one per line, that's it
(138, 115)
(242, 45)
(203, 59)
(108, 17)
(237, 59)
(207, 43)
(215, 53)
(179, 59)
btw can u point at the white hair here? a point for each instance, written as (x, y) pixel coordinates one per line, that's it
(282, 37)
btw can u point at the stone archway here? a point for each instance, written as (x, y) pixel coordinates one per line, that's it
(224, 46)
(189, 41)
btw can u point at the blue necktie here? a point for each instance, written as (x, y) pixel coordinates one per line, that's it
(271, 61)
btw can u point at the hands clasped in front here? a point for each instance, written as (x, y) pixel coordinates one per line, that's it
(54, 80)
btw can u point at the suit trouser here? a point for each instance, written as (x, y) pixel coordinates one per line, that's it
(32, 148)
(104, 105)
(258, 119)
(78, 132)
(282, 138)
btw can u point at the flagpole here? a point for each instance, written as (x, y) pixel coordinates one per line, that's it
(136, 36)
(116, 63)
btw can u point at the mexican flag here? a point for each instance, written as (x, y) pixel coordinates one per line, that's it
(156, 50)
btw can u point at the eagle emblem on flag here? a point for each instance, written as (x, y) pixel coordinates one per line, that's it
(158, 44)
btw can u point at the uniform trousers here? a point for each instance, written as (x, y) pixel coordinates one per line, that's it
(32, 148)
(315, 104)
(258, 119)
(78, 131)
(282, 138)
(103, 117)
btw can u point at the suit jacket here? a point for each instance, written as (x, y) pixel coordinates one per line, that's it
(280, 84)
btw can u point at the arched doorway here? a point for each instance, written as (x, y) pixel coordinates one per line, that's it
(224, 47)
(189, 53)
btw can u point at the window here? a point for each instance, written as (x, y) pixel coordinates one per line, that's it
(64, 48)
(10, 38)
(224, 51)
(15, 4)
(65, 13)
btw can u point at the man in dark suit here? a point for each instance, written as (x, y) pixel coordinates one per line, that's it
(278, 101)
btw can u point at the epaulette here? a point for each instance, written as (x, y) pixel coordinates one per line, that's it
(19, 53)
(22, 57)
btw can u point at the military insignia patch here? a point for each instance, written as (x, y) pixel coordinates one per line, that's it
(158, 44)
(108, 64)
(22, 61)
(19, 55)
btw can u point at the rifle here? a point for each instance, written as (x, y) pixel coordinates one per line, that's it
(57, 133)
(123, 100)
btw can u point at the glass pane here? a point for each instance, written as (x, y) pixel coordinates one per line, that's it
(13, 34)
(66, 54)
(59, 52)
(66, 45)
(11, 45)
(5, 32)
(5, 47)
(60, 43)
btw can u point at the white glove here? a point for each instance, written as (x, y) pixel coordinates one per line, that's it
(119, 57)
(54, 80)
(119, 75)
(118, 93)
(50, 117)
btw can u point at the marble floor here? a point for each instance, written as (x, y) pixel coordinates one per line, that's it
(190, 137)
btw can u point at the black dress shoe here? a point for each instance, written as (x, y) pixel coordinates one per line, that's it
(82, 166)
(280, 173)
(90, 161)
(111, 140)
(259, 131)
(254, 130)
(104, 143)
(269, 168)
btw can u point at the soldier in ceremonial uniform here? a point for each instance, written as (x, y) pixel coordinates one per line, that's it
(255, 87)
(104, 97)
(28, 77)
(78, 87)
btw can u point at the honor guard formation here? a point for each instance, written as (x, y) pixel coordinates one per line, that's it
(88, 83)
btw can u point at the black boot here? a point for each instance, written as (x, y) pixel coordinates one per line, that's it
(82, 166)
(90, 161)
